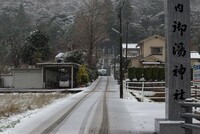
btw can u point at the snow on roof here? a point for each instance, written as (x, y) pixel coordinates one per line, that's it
(130, 45)
(194, 55)
(151, 37)
(60, 55)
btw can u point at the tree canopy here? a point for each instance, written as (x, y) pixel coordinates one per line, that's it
(75, 56)
(36, 48)
(84, 25)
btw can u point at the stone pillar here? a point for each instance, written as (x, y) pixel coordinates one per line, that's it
(177, 35)
(177, 22)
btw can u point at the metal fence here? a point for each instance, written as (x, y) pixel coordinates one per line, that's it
(149, 89)
(146, 89)
(189, 115)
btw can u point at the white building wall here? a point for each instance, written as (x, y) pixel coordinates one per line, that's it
(27, 78)
(7, 81)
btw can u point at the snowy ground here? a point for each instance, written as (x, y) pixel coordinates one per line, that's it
(11, 121)
(142, 113)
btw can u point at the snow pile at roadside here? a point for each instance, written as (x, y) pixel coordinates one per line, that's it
(129, 96)
(11, 121)
(138, 94)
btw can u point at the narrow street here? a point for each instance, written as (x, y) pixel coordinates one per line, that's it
(90, 114)
(97, 110)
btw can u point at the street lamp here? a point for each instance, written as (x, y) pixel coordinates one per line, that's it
(120, 45)
(120, 33)
(116, 30)
(121, 66)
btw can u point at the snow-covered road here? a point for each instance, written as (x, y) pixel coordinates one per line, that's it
(99, 111)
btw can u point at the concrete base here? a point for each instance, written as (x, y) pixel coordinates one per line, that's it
(163, 126)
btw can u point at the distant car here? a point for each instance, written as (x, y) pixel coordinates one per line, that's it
(102, 72)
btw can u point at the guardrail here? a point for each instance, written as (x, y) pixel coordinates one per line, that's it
(145, 88)
(188, 115)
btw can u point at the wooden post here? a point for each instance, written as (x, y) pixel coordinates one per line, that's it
(195, 94)
(177, 22)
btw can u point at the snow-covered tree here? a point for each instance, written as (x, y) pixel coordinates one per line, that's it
(36, 48)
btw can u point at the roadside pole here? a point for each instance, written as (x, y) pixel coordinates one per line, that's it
(121, 65)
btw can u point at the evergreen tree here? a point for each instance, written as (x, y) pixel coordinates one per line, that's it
(6, 25)
(127, 11)
(75, 57)
(36, 48)
(22, 21)
(12, 35)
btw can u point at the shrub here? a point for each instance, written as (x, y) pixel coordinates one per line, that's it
(82, 75)
(93, 74)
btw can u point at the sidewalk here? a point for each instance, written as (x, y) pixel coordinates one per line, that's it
(131, 116)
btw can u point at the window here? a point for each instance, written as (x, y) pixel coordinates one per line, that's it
(156, 50)
(132, 53)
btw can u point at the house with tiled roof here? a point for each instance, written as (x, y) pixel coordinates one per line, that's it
(152, 53)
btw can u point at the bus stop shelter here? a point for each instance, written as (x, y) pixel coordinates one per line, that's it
(53, 74)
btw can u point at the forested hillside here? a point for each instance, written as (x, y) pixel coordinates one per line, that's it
(81, 25)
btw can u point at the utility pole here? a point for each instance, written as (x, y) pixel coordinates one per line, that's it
(114, 61)
(120, 46)
(121, 64)
(127, 23)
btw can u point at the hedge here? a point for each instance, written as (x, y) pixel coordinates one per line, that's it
(149, 74)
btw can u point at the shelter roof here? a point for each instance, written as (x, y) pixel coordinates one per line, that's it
(53, 64)
(60, 55)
